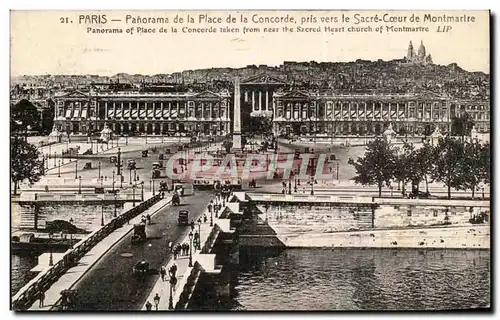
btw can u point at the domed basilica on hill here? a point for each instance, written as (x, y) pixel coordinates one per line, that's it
(420, 57)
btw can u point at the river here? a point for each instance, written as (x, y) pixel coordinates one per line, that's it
(358, 279)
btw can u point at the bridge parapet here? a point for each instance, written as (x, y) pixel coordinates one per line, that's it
(27, 295)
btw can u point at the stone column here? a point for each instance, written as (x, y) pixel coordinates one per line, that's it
(267, 99)
(246, 95)
(260, 100)
(161, 112)
(237, 116)
(253, 100)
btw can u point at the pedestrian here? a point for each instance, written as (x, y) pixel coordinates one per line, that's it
(173, 270)
(187, 248)
(192, 225)
(210, 207)
(175, 253)
(163, 273)
(42, 298)
(205, 218)
(170, 246)
(148, 217)
(148, 306)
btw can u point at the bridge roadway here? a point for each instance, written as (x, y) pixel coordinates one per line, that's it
(110, 285)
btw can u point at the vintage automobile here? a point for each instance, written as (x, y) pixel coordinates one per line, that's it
(113, 159)
(158, 165)
(141, 268)
(145, 153)
(183, 219)
(163, 186)
(176, 199)
(131, 164)
(156, 173)
(139, 235)
(87, 166)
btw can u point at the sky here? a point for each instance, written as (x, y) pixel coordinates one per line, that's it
(54, 42)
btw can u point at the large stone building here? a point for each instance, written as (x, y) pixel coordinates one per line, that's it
(136, 112)
(312, 112)
(329, 114)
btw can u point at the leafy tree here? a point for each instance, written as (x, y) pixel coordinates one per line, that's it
(472, 166)
(485, 159)
(461, 125)
(448, 163)
(23, 117)
(377, 166)
(48, 118)
(406, 166)
(25, 163)
(425, 159)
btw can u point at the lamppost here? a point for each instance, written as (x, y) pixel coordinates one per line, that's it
(312, 186)
(118, 162)
(212, 217)
(101, 180)
(62, 158)
(337, 171)
(76, 169)
(71, 234)
(133, 194)
(173, 281)
(80, 185)
(54, 159)
(59, 169)
(51, 258)
(482, 189)
(153, 180)
(115, 206)
(199, 233)
(99, 167)
(126, 139)
(289, 186)
(142, 190)
(113, 181)
(135, 174)
(102, 212)
(190, 249)
(130, 175)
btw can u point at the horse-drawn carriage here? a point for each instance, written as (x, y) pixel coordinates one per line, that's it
(139, 235)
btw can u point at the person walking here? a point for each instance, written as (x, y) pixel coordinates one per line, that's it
(175, 253)
(41, 296)
(192, 225)
(205, 218)
(210, 207)
(171, 246)
(148, 306)
(156, 299)
(173, 270)
(163, 273)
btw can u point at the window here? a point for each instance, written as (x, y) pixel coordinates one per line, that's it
(409, 212)
(434, 213)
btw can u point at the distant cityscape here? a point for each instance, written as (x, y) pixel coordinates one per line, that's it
(347, 98)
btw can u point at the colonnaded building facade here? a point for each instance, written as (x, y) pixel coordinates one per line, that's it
(293, 112)
(151, 113)
(329, 114)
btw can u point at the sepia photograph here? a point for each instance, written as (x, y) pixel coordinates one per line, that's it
(225, 160)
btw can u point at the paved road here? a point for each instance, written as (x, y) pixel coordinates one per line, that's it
(111, 285)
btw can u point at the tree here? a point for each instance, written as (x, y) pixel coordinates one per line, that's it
(48, 118)
(448, 163)
(485, 159)
(377, 166)
(406, 166)
(24, 162)
(472, 166)
(461, 126)
(23, 117)
(425, 159)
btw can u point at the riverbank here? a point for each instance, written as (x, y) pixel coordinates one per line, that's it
(463, 237)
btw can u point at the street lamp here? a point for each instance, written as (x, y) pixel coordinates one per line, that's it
(337, 171)
(115, 206)
(102, 212)
(80, 185)
(173, 281)
(113, 181)
(312, 186)
(51, 258)
(130, 175)
(59, 169)
(199, 233)
(99, 166)
(76, 169)
(212, 217)
(118, 162)
(190, 249)
(133, 195)
(101, 180)
(71, 234)
(142, 190)
(54, 159)
(153, 180)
